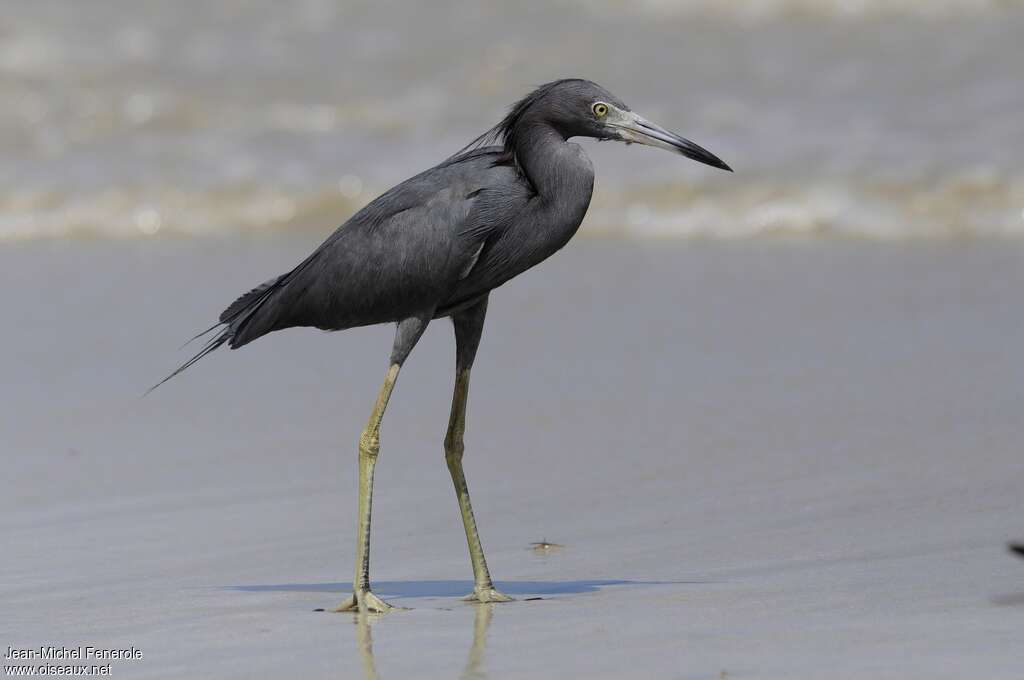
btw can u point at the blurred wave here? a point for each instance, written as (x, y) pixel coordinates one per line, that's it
(971, 204)
(786, 9)
(865, 118)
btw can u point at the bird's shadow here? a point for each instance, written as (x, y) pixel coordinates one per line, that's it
(456, 588)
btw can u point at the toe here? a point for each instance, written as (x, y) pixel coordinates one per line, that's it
(348, 605)
(487, 595)
(371, 602)
(377, 605)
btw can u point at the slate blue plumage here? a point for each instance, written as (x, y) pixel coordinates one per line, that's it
(436, 245)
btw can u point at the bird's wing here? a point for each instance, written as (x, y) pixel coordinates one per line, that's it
(402, 254)
(515, 233)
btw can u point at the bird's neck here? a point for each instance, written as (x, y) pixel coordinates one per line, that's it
(559, 171)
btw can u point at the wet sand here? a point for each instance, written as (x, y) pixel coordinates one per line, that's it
(763, 459)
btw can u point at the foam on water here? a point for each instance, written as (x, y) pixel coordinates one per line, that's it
(973, 204)
(978, 204)
(138, 212)
(784, 9)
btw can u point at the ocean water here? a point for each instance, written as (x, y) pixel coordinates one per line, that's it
(849, 118)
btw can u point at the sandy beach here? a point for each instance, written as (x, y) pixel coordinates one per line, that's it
(763, 459)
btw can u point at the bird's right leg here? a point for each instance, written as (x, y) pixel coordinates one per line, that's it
(362, 600)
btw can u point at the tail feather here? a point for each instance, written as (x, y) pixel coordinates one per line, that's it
(213, 344)
(233, 319)
(236, 318)
(201, 334)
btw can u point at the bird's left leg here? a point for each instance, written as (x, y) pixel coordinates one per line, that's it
(469, 325)
(362, 600)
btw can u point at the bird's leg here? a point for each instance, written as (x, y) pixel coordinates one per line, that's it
(407, 334)
(362, 599)
(483, 588)
(468, 327)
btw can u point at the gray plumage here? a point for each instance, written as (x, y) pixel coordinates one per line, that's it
(442, 240)
(437, 245)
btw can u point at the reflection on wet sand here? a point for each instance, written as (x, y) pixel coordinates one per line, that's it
(364, 640)
(474, 660)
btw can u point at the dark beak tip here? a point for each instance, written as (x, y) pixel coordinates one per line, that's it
(702, 155)
(718, 163)
(715, 162)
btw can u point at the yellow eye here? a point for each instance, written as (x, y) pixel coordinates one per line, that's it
(600, 109)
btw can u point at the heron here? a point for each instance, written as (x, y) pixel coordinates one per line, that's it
(435, 246)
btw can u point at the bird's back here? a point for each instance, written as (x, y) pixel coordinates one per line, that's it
(401, 255)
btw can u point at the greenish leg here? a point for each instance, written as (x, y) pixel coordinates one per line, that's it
(362, 599)
(483, 588)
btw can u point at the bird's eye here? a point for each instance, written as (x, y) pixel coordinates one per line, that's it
(599, 109)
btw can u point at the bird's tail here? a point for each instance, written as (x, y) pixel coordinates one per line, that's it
(234, 320)
(215, 342)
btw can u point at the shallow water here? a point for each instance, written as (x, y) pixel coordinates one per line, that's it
(868, 118)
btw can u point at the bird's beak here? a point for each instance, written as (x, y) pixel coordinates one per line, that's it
(630, 128)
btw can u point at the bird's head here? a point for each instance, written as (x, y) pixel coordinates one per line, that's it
(581, 108)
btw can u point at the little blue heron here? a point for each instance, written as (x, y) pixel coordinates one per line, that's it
(436, 245)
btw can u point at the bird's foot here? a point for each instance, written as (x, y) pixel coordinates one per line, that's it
(364, 600)
(487, 594)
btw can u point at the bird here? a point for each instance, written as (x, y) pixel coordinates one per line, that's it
(435, 246)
